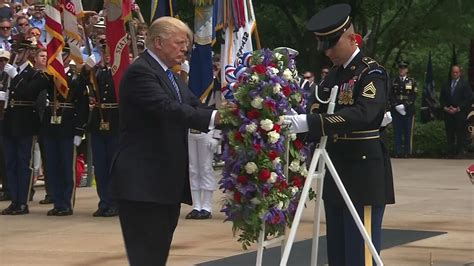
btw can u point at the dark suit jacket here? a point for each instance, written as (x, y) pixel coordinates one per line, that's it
(151, 163)
(461, 98)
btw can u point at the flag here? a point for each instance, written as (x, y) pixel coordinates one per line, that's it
(54, 47)
(117, 14)
(429, 102)
(201, 77)
(72, 10)
(160, 8)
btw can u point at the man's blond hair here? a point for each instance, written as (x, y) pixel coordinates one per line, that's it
(164, 28)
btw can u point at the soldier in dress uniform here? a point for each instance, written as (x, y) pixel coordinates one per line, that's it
(355, 147)
(103, 126)
(4, 58)
(402, 102)
(21, 125)
(63, 126)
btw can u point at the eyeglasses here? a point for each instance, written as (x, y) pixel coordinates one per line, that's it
(307, 77)
(5, 28)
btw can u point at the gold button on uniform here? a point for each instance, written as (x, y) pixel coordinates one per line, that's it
(364, 157)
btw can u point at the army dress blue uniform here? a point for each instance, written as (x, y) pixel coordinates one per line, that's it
(104, 128)
(21, 125)
(355, 146)
(403, 92)
(64, 118)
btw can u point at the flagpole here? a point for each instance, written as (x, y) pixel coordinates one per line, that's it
(133, 36)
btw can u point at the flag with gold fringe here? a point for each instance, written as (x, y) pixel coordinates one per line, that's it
(160, 8)
(54, 46)
(72, 10)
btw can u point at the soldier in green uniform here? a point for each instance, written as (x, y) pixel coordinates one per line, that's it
(355, 147)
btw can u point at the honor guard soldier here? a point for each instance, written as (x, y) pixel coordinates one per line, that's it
(62, 129)
(21, 125)
(4, 58)
(355, 147)
(402, 102)
(103, 126)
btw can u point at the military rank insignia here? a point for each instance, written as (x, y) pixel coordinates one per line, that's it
(369, 91)
(408, 86)
(346, 92)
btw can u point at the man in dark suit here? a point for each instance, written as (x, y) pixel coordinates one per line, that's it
(150, 169)
(357, 150)
(455, 100)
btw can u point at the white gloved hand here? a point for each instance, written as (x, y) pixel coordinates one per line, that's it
(296, 123)
(3, 96)
(91, 61)
(10, 70)
(213, 144)
(401, 109)
(77, 140)
(185, 66)
(387, 119)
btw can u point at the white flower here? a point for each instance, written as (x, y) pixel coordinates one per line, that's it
(276, 162)
(295, 72)
(254, 78)
(251, 168)
(297, 97)
(279, 206)
(266, 124)
(293, 190)
(292, 136)
(257, 102)
(287, 74)
(273, 137)
(278, 56)
(303, 170)
(250, 128)
(276, 88)
(274, 70)
(255, 201)
(273, 178)
(294, 166)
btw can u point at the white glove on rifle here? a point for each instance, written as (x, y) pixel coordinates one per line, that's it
(91, 61)
(77, 140)
(401, 109)
(387, 119)
(10, 70)
(296, 123)
(3, 96)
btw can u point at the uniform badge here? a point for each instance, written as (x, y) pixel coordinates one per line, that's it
(346, 92)
(105, 126)
(408, 86)
(369, 91)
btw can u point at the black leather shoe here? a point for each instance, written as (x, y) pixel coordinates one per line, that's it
(203, 215)
(52, 212)
(194, 214)
(9, 210)
(110, 212)
(5, 197)
(21, 209)
(99, 212)
(46, 200)
(64, 212)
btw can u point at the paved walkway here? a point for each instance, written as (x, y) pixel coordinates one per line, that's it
(432, 195)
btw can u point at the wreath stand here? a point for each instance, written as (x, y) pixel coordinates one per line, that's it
(322, 160)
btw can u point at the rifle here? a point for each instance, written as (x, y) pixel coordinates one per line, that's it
(5, 84)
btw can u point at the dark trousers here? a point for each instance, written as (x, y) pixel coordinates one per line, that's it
(60, 166)
(47, 185)
(3, 170)
(18, 154)
(403, 131)
(147, 230)
(103, 150)
(456, 128)
(345, 243)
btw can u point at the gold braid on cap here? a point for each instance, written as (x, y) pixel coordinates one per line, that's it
(336, 29)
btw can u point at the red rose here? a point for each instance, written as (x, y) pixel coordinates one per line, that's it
(264, 175)
(242, 179)
(272, 64)
(276, 219)
(298, 144)
(237, 196)
(260, 69)
(297, 181)
(257, 147)
(270, 105)
(236, 111)
(272, 155)
(254, 114)
(287, 90)
(238, 136)
(277, 128)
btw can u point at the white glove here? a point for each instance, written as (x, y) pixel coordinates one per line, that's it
(10, 70)
(387, 119)
(296, 123)
(185, 66)
(213, 144)
(3, 96)
(91, 61)
(77, 140)
(401, 109)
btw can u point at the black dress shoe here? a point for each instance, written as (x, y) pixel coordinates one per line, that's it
(21, 209)
(64, 212)
(203, 215)
(52, 212)
(110, 212)
(99, 212)
(194, 214)
(46, 200)
(9, 210)
(5, 197)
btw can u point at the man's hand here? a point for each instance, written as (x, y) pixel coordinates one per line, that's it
(296, 123)
(401, 109)
(387, 119)
(10, 70)
(77, 141)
